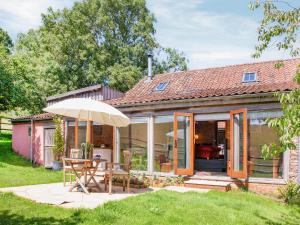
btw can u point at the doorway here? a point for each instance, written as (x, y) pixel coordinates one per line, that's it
(211, 147)
(211, 144)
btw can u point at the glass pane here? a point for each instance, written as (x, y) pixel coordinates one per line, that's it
(134, 138)
(102, 136)
(183, 142)
(81, 133)
(49, 137)
(238, 141)
(163, 143)
(261, 134)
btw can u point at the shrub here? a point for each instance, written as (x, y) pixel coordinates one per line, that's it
(290, 192)
(59, 143)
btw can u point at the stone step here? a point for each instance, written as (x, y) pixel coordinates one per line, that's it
(212, 178)
(208, 184)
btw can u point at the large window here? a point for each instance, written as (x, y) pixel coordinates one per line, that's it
(134, 138)
(163, 143)
(261, 134)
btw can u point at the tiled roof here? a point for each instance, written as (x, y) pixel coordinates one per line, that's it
(221, 81)
(42, 116)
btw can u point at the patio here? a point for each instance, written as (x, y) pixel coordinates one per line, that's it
(57, 194)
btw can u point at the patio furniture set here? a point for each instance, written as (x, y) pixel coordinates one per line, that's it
(89, 174)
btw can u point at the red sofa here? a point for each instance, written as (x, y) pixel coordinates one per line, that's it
(207, 152)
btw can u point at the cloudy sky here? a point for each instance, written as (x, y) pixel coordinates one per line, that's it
(209, 32)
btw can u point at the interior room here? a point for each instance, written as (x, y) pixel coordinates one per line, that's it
(211, 147)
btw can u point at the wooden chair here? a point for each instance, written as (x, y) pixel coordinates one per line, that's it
(76, 153)
(67, 170)
(164, 165)
(119, 170)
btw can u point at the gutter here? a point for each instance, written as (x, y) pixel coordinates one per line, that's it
(195, 102)
(197, 99)
(31, 141)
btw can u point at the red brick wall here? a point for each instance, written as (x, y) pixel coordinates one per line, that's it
(293, 162)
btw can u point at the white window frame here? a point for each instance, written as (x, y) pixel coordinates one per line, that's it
(248, 74)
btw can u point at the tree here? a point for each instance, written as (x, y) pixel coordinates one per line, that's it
(5, 40)
(17, 88)
(280, 27)
(171, 61)
(96, 41)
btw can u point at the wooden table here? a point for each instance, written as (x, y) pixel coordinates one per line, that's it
(84, 168)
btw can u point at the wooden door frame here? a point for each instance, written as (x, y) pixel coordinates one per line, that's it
(189, 171)
(232, 173)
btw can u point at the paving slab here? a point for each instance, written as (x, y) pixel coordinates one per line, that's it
(57, 194)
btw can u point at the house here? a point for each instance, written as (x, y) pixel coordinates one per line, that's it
(33, 135)
(208, 124)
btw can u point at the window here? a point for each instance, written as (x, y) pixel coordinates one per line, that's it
(261, 134)
(134, 138)
(163, 143)
(161, 86)
(249, 77)
(102, 136)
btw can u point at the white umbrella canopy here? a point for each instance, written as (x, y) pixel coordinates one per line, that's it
(89, 110)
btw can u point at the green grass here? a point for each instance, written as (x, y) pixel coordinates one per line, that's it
(17, 171)
(162, 207)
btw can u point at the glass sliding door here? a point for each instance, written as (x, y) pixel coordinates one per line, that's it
(183, 143)
(238, 143)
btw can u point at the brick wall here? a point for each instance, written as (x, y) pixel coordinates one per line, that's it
(293, 163)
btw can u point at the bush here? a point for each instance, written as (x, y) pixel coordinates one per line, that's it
(59, 143)
(290, 193)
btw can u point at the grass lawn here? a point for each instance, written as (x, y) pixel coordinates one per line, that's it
(162, 207)
(17, 171)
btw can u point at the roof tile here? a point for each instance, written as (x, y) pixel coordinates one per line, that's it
(221, 81)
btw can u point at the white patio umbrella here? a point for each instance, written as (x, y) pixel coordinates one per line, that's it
(180, 134)
(89, 110)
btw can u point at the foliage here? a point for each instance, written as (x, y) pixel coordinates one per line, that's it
(5, 41)
(141, 180)
(59, 143)
(279, 27)
(87, 149)
(18, 171)
(171, 62)
(18, 89)
(95, 41)
(290, 192)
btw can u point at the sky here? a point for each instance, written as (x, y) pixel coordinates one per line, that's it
(209, 32)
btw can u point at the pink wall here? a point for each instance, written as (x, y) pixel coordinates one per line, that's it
(21, 139)
(38, 150)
